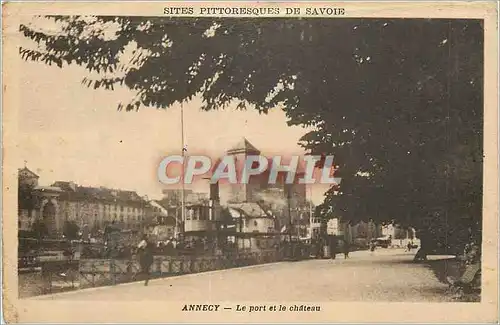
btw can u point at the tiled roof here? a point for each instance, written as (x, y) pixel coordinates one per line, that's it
(97, 193)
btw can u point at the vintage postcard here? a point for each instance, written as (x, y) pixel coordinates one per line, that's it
(227, 162)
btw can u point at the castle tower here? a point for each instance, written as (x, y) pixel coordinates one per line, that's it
(27, 178)
(243, 192)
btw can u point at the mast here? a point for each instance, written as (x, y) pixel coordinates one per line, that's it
(290, 224)
(310, 214)
(183, 208)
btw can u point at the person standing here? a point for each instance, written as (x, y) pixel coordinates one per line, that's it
(333, 247)
(346, 249)
(409, 246)
(319, 248)
(145, 254)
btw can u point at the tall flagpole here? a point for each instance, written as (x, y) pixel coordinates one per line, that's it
(310, 214)
(183, 212)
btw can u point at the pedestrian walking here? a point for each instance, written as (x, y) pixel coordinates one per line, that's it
(409, 246)
(346, 249)
(145, 254)
(319, 248)
(333, 247)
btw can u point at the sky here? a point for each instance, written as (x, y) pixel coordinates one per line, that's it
(70, 132)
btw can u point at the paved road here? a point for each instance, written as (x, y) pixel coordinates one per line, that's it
(385, 275)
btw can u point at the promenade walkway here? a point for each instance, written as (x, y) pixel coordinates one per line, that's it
(384, 275)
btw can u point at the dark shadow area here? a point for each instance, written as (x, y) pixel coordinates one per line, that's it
(444, 268)
(434, 291)
(407, 255)
(408, 261)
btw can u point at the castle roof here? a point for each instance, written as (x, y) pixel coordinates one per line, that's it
(243, 146)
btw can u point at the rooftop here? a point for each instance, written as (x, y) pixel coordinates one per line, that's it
(248, 209)
(77, 192)
(48, 189)
(243, 146)
(26, 172)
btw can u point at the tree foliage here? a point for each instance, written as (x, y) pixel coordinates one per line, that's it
(398, 102)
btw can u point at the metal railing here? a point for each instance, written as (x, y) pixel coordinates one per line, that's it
(58, 276)
(108, 272)
(86, 273)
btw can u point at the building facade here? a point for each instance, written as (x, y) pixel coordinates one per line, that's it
(98, 206)
(253, 227)
(161, 224)
(37, 205)
(87, 207)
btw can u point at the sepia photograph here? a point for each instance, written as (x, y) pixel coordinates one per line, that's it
(249, 163)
